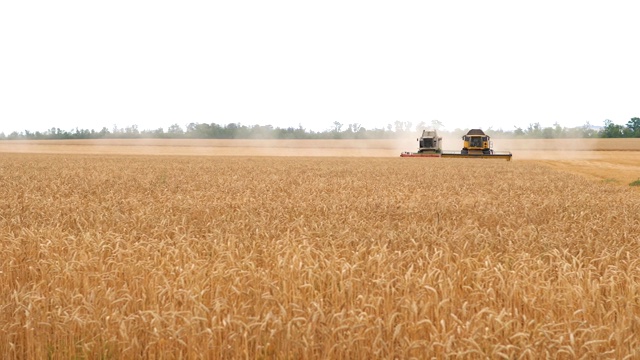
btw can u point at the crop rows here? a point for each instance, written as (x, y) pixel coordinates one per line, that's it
(232, 257)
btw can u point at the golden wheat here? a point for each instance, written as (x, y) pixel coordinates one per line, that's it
(232, 257)
(610, 160)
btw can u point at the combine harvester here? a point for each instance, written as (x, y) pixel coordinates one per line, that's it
(476, 144)
(428, 145)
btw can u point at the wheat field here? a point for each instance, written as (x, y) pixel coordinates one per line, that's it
(113, 256)
(611, 160)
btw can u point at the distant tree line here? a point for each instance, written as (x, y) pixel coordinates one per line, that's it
(338, 131)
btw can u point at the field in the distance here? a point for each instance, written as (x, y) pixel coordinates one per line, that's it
(612, 160)
(138, 256)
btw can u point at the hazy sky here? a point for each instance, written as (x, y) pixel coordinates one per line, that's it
(93, 64)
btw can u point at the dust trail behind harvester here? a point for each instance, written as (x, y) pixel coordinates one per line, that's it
(553, 149)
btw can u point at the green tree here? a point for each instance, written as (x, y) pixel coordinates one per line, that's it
(437, 124)
(104, 132)
(612, 130)
(398, 126)
(547, 133)
(634, 126)
(175, 129)
(558, 131)
(534, 131)
(518, 132)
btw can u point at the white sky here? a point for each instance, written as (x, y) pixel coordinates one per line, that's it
(90, 64)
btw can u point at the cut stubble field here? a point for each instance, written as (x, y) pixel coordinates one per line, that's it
(124, 255)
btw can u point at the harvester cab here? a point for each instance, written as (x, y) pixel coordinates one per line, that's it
(476, 142)
(429, 142)
(429, 145)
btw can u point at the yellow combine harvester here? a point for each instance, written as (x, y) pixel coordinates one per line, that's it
(476, 144)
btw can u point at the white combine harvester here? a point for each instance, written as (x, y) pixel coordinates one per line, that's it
(429, 145)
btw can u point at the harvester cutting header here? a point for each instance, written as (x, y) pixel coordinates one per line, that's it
(476, 144)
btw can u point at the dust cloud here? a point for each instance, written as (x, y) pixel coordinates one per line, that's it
(550, 149)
